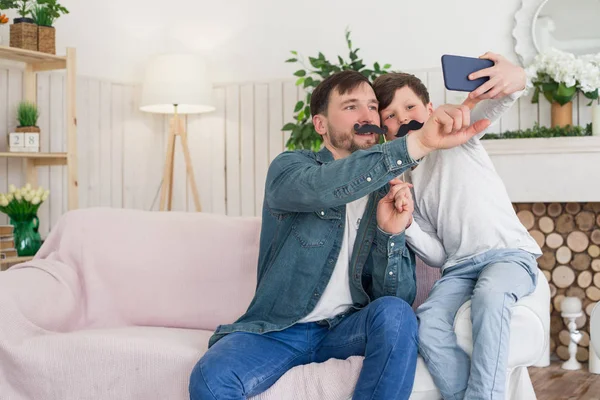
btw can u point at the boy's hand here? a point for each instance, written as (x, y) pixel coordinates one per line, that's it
(505, 78)
(449, 126)
(394, 211)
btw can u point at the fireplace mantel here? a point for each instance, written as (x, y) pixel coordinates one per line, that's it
(565, 169)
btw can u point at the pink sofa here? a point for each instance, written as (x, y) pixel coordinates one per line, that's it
(119, 304)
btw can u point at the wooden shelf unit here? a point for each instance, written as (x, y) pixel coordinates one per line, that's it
(36, 62)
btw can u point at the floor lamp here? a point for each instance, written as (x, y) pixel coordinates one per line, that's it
(176, 84)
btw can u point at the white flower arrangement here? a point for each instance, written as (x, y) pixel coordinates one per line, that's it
(22, 203)
(560, 76)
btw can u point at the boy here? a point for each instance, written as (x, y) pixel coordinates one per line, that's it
(464, 223)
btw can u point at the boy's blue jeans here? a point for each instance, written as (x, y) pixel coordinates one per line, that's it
(494, 281)
(241, 365)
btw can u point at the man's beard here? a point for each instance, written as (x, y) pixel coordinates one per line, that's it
(346, 140)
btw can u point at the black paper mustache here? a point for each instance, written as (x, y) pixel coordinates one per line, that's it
(411, 126)
(369, 128)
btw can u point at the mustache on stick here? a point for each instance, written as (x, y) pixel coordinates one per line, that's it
(411, 126)
(369, 128)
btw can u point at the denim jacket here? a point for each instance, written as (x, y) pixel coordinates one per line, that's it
(303, 220)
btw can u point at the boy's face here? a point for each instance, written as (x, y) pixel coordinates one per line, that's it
(405, 107)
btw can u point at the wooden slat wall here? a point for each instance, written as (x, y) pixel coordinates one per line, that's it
(121, 149)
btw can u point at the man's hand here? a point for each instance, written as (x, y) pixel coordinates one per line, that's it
(394, 211)
(449, 126)
(505, 78)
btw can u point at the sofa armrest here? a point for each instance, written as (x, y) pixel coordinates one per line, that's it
(38, 295)
(531, 313)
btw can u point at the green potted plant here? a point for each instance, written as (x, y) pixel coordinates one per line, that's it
(23, 32)
(27, 116)
(303, 134)
(44, 13)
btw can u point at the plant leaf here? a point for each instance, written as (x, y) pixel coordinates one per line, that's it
(288, 127)
(299, 106)
(290, 60)
(308, 81)
(300, 72)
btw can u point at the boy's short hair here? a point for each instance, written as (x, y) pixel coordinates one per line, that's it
(385, 87)
(343, 81)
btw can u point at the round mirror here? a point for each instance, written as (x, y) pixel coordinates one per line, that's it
(573, 26)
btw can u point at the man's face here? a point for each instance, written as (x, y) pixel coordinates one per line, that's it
(343, 112)
(405, 107)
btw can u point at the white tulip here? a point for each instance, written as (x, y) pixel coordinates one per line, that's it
(10, 197)
(3, 202)
(45, 195)
(28, 196)
(12, 188)
(18, 196)
(36, 200)
(28, 186)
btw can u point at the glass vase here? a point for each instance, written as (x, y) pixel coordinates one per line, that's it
(27, 238)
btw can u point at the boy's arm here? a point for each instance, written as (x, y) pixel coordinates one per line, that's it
(506, 83)
(423, 239)
(492, 109)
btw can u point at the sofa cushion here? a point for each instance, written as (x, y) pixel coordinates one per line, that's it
(126, 363)
(155, 363)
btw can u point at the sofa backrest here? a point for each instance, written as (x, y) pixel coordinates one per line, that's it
(174, 269)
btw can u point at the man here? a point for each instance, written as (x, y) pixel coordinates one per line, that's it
(334, 276)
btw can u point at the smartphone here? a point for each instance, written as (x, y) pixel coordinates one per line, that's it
(457, 69)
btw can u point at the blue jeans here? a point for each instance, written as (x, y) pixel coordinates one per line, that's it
(494, 281)
(242, 365)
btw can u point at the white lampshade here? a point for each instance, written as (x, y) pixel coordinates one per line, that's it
(177, 79)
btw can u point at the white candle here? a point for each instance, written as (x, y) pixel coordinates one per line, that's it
(571, 305)
(595, 118)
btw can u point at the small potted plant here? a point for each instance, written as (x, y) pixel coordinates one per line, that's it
(44, 13)
(27, 115)
(23, 32)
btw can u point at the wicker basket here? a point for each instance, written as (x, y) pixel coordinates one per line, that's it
(27, 129)
(47, 39)
(24, 35)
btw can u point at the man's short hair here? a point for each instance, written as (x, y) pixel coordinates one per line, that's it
(344, 81)
(385, 87)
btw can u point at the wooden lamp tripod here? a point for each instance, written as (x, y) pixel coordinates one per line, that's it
(176, 84)
(176, 128)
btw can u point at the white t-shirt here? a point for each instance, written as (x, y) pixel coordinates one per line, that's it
(337, 298)
(462, 208)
